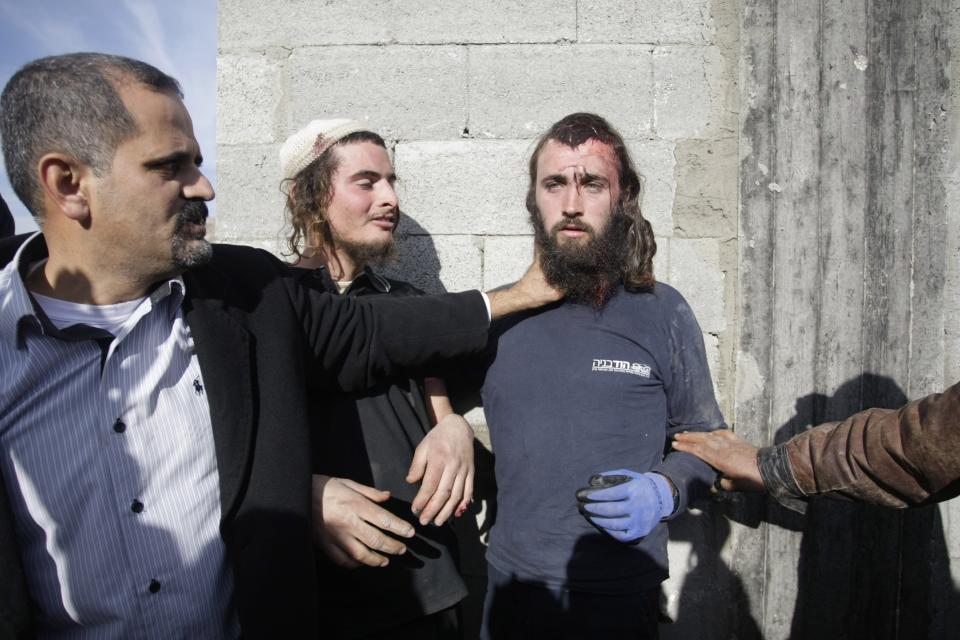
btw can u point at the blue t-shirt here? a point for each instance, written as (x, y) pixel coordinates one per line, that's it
(572, 392)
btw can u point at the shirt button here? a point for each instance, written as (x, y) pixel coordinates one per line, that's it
(154, 586)
(136, 507)
(119, 426)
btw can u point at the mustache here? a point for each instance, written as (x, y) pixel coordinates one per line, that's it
(194, 212)
(571, 223)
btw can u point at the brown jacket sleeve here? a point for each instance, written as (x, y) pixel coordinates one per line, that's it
(896, 458)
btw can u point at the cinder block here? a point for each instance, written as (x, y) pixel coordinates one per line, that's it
(661, 259)
(707, 187)
(482, 432)
(403, 92)
(689, 91)
(439, 263)
(649, 21)
(681, 559)
(505, 259)
(711, 343)
(249, 202)
(464, 186)
(478, 420)
(519, 91)
(695, 271)
(655, 161)
(248, 96)
(294, 23)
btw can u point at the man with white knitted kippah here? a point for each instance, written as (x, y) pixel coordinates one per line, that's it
(393, 463)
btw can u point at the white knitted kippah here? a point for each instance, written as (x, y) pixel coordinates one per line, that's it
(309, 143)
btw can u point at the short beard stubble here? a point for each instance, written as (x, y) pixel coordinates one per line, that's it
(189, 248)
(367, 254)
(587, 272)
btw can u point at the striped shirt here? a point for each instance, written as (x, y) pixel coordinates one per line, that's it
(107, 453)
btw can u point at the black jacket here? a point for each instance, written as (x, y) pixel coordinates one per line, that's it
(263, 341)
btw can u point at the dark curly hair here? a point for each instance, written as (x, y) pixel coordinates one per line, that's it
(574, 130)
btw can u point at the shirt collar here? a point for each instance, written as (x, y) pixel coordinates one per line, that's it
(16, 306)
(18, 310)
(367, 277)
(375, 280)
(175, 288)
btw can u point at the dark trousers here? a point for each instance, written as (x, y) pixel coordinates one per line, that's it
(519, 610)
(442, 625)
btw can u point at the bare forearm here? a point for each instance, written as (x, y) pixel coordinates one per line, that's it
(438, 402)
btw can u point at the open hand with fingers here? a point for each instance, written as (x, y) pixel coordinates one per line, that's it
(733, 457)
(443, 464)
(626, 504)
(351, 527)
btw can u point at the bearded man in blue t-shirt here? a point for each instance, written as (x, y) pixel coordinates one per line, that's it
(582, 399)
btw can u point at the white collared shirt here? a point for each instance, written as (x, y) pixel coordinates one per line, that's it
(107, 454)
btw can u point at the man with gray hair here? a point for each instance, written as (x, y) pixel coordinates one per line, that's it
(154, 433)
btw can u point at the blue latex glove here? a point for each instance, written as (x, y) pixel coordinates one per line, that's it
(629, 509)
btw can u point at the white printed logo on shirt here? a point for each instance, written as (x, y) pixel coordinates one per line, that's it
(621, 366)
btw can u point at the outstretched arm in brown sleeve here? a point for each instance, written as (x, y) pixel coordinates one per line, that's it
(897, 458)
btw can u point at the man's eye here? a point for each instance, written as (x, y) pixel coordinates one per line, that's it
(552, 186)
(594, 187)
(364, 184)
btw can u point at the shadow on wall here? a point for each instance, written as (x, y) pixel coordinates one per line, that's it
(863, 571)
(712, 600)
(417, 261)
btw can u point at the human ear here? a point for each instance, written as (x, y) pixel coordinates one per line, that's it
(61, 178)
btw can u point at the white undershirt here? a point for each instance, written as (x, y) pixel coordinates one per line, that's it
(109, 317)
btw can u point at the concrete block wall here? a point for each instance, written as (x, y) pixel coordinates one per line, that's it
(461, 90)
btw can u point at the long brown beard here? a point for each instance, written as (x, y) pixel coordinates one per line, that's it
(587, 272)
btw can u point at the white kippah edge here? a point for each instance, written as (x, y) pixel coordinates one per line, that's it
(311, 142)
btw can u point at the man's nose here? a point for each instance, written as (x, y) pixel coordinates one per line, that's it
(199, 189)
(572, 201)
(387, 196)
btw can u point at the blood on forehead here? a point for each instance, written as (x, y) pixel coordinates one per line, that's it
(592, 156)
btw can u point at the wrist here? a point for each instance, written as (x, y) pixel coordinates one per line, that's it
(667, 493)
(778, 479)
